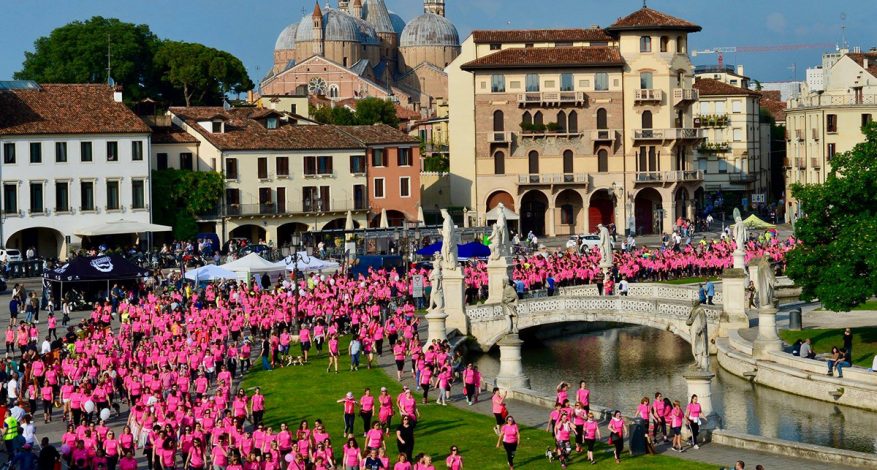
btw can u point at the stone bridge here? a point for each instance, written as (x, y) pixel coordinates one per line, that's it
(661, 306)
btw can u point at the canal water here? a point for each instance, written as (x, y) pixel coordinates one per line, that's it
(621, 364)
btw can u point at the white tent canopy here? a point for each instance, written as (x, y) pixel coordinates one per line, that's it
(307, 263)
(252, 263)
(493, 214)
(120, 226)
(210, 272)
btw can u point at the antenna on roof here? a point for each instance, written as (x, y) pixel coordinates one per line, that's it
(843, 30)
(109, 62)
(645, 5)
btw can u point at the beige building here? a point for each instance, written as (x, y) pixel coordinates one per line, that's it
(575, 127)
(735, 154)
(821, 124)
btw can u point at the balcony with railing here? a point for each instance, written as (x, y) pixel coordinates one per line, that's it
(741, 178)
(685, 95)
(555, 133)
(551, 98)
(815, 163)
(833, 100)
(648, 95)
(553, 179)
(604, 135)
(500, 137)
(294, 208)
(668, 134)
(675, 176)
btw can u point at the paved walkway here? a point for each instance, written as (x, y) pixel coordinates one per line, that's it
(537, 417)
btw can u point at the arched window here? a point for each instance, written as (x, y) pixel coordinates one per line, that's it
(533, 166)
(537, 118)
(561, 122)
(567, 214)
(333, 91)
(680, 45)
(665, 42)
(568, 168)
(527, 119)
(499, 163)
(647, 120)
(602, 119)
(645, 44)
(573, 120)
(602, 161)
(498, 121)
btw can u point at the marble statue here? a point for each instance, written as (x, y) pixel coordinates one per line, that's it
(437, 294)
(503, 225)
(697, 329)
(765, 282)
(510, 305)
(605, 246)
(449, 241)
(740, 234)
(496, 248)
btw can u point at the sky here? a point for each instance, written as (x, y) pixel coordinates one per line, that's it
(249, 28)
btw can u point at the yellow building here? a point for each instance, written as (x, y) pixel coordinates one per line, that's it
(827, 118)
(575, 127)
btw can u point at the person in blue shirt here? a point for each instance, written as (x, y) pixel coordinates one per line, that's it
(701, 294)
(550, 282)
(519, 288)
(710, 292)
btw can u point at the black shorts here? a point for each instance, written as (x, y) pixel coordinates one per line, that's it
(306, 346)
(499, 420)
(590, 444)
(400, 365)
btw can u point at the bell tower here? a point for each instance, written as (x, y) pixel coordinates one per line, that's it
(317, 17)
(434, 6)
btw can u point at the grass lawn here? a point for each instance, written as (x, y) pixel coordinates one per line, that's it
(296, 393)
(689, 280)
(869, 305)
(864, 341)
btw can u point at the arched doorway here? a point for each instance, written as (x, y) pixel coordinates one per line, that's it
(649, 212)
(501, 196)
(601, 210)
(534, 204)
(336, 224)
(570, 212)
(46, 242)
(681, 202)
(285, 231)
(249, 232)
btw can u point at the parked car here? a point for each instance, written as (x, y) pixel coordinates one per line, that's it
(258, 249)
(589, 241)
(12, 254)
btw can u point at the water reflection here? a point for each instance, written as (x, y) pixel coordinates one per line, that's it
(623, 364)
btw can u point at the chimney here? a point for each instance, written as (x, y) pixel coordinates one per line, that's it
(865, 62)
(250, 96)
(117, 93)
(740, 70)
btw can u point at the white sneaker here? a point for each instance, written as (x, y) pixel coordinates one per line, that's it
(696, 446)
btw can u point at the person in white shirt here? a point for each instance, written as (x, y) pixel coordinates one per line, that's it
(806, 350)
(623, 286)
(46, 346)
(12, 389)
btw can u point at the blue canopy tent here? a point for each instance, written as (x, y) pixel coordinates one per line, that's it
(466, 251)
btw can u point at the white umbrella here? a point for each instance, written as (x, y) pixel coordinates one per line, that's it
(421, 220)
(385, 223)
(119, 227)
(493, 214)
(306, 263)
(209, 273)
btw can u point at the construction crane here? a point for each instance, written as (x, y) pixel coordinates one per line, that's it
(721, 51)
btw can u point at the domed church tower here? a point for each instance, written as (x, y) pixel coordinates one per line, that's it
(436, 7)
(376, 14)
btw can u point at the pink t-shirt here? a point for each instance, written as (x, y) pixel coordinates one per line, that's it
(510, 433)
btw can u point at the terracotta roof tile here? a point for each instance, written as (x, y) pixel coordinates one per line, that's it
(172, 135)
(649, 19)
(776, 108)
(379, 134)
(242, 132)
(534, 57)
(775, 95)
(66, 109)
(540, 35)
(711, 87)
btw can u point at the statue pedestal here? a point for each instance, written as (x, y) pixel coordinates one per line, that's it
(700, 383)
(767, 341)
(607, 272)
(511, 371)
(499, 272)
(733, 315)
(455, 299)
(437, 327)
(739, 259)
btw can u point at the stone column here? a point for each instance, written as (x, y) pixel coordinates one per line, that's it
(700, 383)
(499, 272)
(437, 327)
(551, 229)
(733, 315)
(455, 301)
(740, 259)
(511, 371)
(767, 341)
(689, 209)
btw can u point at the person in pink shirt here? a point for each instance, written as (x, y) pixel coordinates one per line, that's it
(498, 408)
(366, 409)
(257, 407)
(676, 418)
(509, 437)
(591, 430)
(694, 415)
(349, 413)
(375, 437)
(402, 463)
(454, 461)
(334, 352)
(616, 434)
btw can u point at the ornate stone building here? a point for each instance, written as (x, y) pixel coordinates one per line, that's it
(366, 50)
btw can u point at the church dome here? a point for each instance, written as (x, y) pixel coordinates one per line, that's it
(375, 12)
(286, 40)
(398, 23)
(430, 29)
(337, 26)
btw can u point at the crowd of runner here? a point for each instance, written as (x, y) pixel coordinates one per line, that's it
(169, 356)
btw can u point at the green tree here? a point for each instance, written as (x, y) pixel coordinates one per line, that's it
(200, 74)
(373, 110)
(180, 195)
(77, 53)
(338, 115)
(836, 262)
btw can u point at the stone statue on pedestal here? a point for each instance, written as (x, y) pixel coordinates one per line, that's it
(697, 329)
(437, 294)
(449, 241)
(740, 234)
(765, 282)
(605, 246)
(510, 305)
